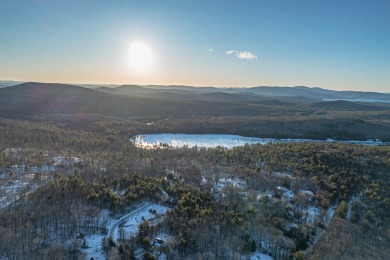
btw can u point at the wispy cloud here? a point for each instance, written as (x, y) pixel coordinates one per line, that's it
(208, 50)
(246, 55)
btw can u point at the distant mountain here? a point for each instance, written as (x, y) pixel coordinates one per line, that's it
(8, 83)
(298, 93)
(318, 93)
(279, 93)
(297, 112)
(181, 93)
(30, 99)
(94, 86)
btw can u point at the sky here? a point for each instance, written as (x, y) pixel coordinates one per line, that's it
(334, 44)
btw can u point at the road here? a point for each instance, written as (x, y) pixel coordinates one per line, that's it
(124, 219)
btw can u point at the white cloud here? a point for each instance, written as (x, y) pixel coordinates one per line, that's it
(210, 50)
(246, 55)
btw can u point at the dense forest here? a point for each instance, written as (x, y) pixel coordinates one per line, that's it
(291, 200)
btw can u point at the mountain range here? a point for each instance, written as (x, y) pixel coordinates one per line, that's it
(296, 112)
(250, 93)
(33, 98)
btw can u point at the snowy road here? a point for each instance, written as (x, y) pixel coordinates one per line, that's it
(124, 219)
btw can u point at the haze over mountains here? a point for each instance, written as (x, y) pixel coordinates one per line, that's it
(296, 112)
(252, 93)
(28, 99)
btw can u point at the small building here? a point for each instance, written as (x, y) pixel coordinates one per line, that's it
(158, 241)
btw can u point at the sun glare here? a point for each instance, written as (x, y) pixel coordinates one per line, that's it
(140, 56)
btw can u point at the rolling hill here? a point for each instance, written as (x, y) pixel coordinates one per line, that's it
(299, 93)
(31, 99)
(196, 110)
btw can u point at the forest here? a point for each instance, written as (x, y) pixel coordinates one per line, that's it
(298, 112)
(286, 200)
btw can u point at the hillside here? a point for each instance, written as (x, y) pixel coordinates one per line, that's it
(192, 110)
(298, 93)
(31, 99)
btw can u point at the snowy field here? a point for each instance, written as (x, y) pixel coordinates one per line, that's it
(150, 141)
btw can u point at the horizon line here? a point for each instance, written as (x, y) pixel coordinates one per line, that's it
(185, 85)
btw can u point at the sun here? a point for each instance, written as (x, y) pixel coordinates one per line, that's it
(140, 56)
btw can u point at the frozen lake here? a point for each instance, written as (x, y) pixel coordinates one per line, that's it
(150, 141)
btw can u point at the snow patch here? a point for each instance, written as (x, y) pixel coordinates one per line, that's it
(235, 182)
(312, 213)
(307, 192)
(260, 256)
(284, 175)
(287, 194)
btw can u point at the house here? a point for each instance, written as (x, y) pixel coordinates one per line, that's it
(158, 241)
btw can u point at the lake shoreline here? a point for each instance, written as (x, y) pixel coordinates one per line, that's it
(151, 141)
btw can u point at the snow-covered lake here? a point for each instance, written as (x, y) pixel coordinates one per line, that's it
(151, 141)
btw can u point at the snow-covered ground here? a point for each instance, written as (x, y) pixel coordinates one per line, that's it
(330, 213)
(150, 141)
(350, 203)
(129, 223)
(11, 191)
(12, 188)
(307, 192)
(95, 248)
(283, 175)
(235, 182)
(125, 226)
(287, 194)
(260, 256)
(311, 214)
(62, 160)
(19, 179)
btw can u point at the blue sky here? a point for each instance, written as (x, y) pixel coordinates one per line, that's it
(340, 44)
